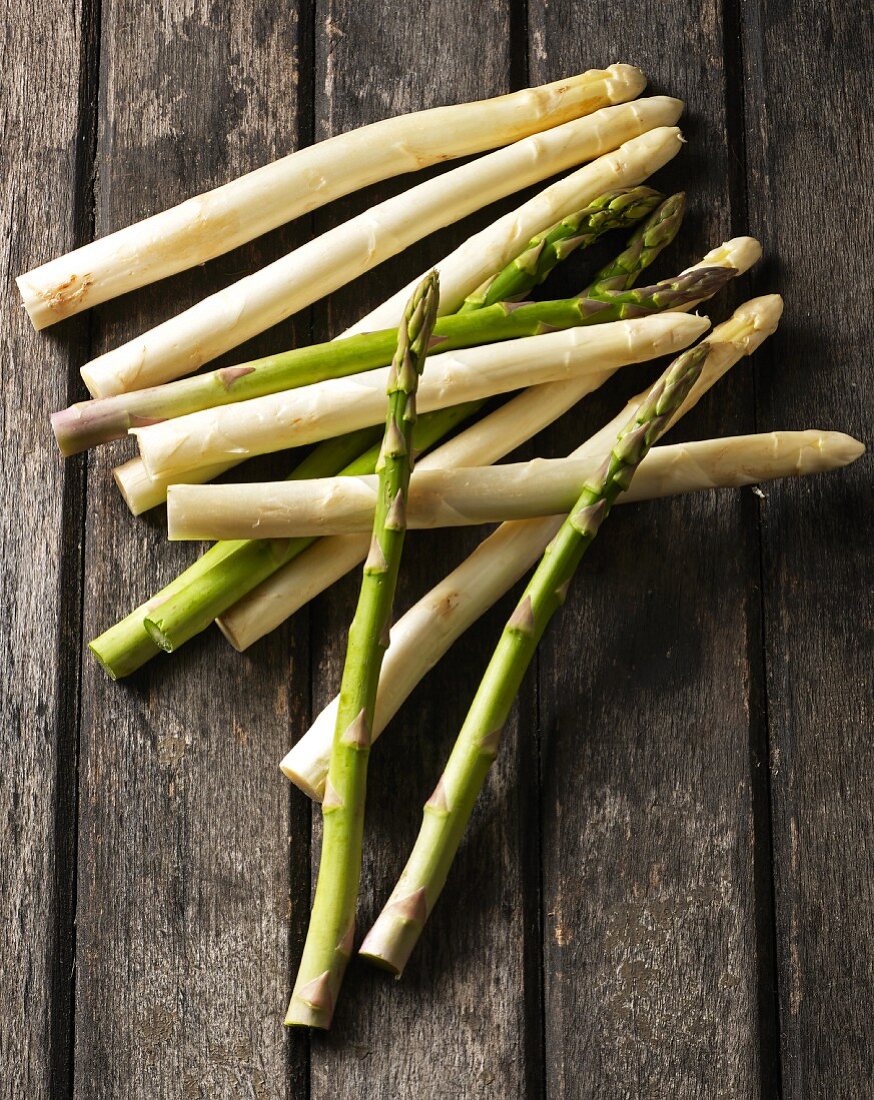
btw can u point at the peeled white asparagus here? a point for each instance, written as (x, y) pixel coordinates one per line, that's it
(141, 492)
(484, 442)
(226, 217)
(263, 299)
(292, 418)
(493, 494)
(420, 637)
(460, 273)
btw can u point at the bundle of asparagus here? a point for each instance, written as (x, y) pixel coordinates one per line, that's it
(352, 496)
(221, 580)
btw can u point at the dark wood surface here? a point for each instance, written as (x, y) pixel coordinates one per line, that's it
(667, 888)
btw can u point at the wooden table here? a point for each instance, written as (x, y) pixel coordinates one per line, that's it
(667, 888)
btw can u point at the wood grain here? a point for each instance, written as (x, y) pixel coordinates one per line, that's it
(156, 872)
(650, 952)
(185, 911)
(44, 173)
(810, 182)
(460, 1022)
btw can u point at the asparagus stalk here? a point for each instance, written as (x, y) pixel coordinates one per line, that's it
(494, 494)
(399, 925)
(486, 441)
(225, 218)
(643, 248)
(339, 405)
(332, 922)
(424, 634)
(240, 311)
(89, 423)
(228, 570)
(616, 209)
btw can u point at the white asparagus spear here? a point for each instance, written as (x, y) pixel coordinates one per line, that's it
(420, 637)
(493, 494)
(226, 217)
(486, 441)
(292, 418)
(247, 307)
(141, 492)
(460, 272)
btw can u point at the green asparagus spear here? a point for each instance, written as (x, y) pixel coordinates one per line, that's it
(332, 923)
(616, 209)
(645, 244)
(397, 929)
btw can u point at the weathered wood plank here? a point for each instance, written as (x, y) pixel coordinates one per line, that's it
(809, 136)
(460, 1022)
(41, 214)
(185, 912)
(645, 689)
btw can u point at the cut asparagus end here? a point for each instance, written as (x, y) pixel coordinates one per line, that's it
(123, 649)
(308, 772)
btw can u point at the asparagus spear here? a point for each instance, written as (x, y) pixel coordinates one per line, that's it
(223, 320)
(616, 209)
(424, 633)
(486, 441)
(465, 496)
(397, 929)
(341, 405)
(215, 222)
(89, 423)
(644, 246)
(228, 570)
(332, 922)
